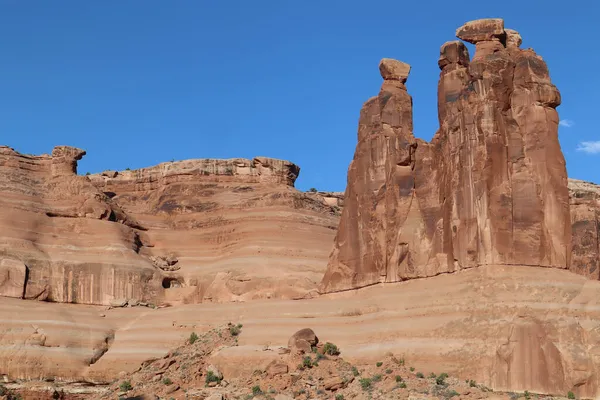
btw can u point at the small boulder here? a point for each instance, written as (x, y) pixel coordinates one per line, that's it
(481, 30)
(118, 303)
(513, 38)
(333, 383)
(394, 70)
(276, 367)
(303, 340)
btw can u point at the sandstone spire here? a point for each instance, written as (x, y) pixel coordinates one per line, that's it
(491, 187)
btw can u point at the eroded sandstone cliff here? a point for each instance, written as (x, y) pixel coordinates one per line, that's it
(585, 219)
(193, 231)
(227, 230)
(490, 188)
(62, 239)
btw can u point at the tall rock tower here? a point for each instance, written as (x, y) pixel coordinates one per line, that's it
(490, 188)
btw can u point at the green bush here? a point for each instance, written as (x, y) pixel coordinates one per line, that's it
(398, 378)
(432, 375)
(401, 361)
(193, 338)
(312, 190)
(452, 393)
(256, 390)
(527, 395)
(331, 349)
(339, 397)
(211, 377)
(3, 390)
(307, 362)
(571, 395)
(379, 364)
(234, 330)
(388, 371)
(376, 378)
(402, 385)
(412, 369)
(125, 386)
(441, 379)
(420, 375)
(355, 371)
(365, 383)
(167, 381)
(472, 383)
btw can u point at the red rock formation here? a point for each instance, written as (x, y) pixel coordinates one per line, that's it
(208, 229)
(491, 187)
(63, 240)
(585, 220)
(227, 230)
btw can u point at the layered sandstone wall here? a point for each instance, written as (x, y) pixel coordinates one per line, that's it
(585, 220)
(63, 240)
(490, 188)
(227, 230)
(192, 231)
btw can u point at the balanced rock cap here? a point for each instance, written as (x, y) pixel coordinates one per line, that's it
(395, 70)
(481, 30)
(454, 52)
(513, 38)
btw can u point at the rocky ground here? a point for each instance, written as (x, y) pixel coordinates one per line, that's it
(307, 369)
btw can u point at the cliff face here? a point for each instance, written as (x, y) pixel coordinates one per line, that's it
(226, 230)
(63, 240)
(585, 220)
(192, 231)
(490, 188)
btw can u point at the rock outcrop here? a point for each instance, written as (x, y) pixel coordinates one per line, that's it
(217, 230)
(585, 220)
(63, 240)
(490, 188)
(226, 230)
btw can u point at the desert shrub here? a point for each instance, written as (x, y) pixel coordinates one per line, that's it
(402, 385)
(256, 390)
(398, 378)
(355, 371)
(331, 349)
(527, 395)
(211, 377)
(401, 361)
(3, 390)
(571, 395)
(379, 364)
(376, 378)
(312, 190)
(307, 362)
(365, 383)
(167, 381)
(321, 357)
(441, 379)
(451, 394)
(432, 375)
(412, 369)
(472, 383)
(339, 397)
(125, 386)
(420, 375)
(193, 338)
(234, 330)
(388, 371)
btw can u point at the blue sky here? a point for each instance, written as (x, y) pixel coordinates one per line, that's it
(139, 82)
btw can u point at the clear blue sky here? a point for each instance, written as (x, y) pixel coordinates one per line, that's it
(138, 82)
